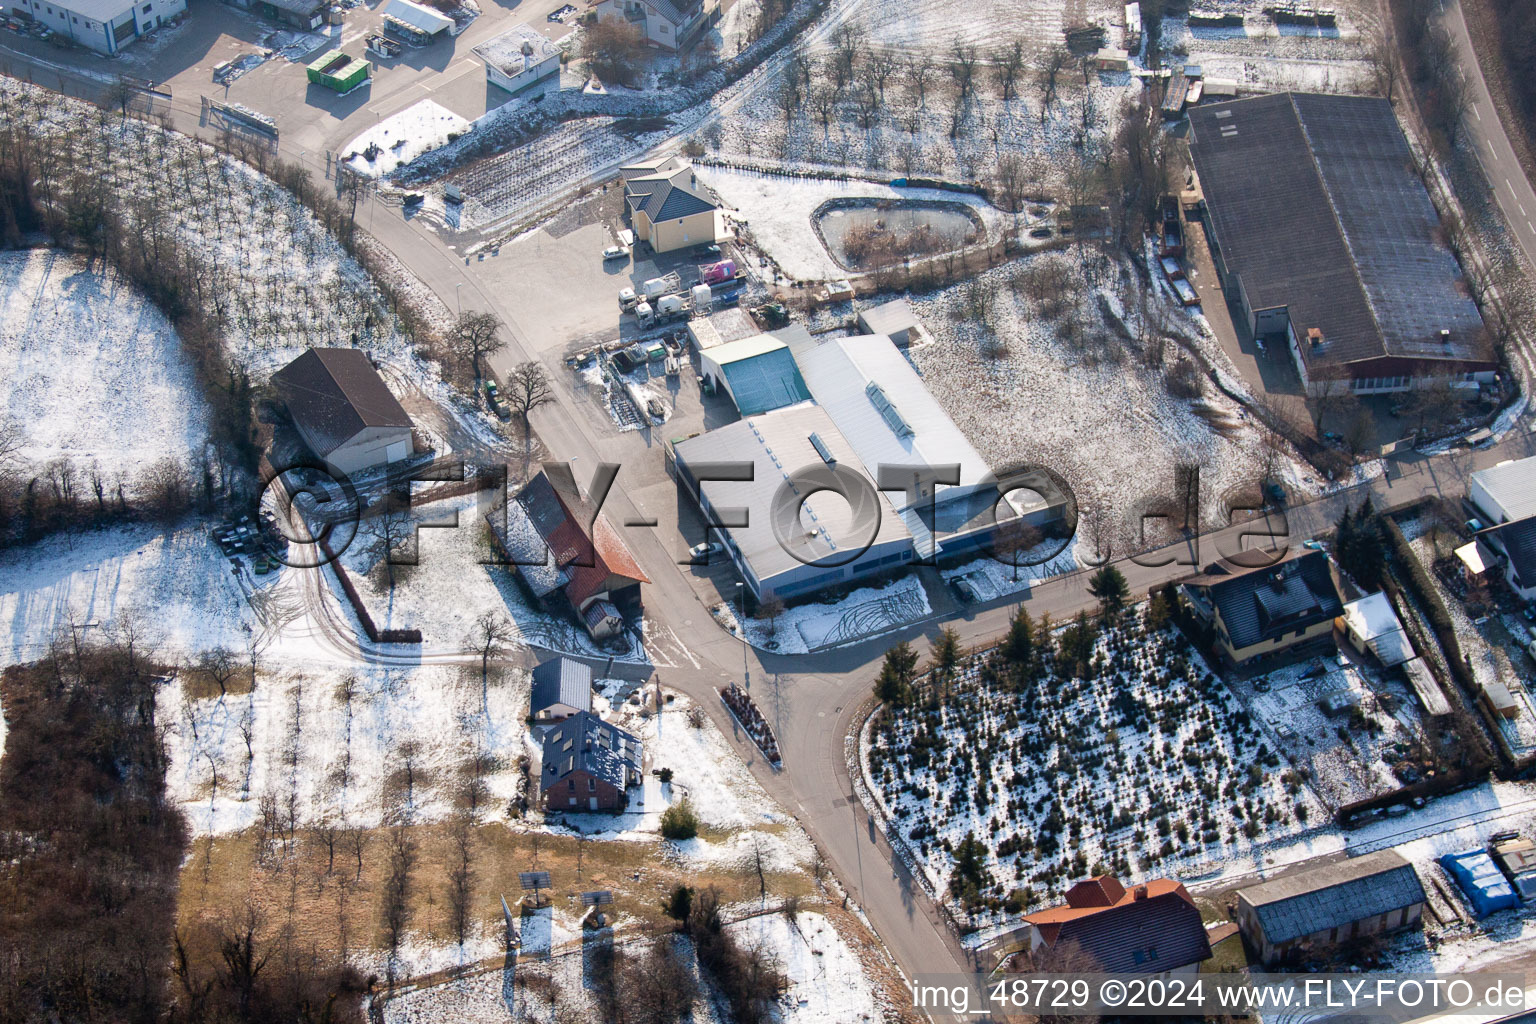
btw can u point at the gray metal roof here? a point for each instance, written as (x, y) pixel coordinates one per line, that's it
(562, 681)
(760, 373)
(1317, 208)
(888, 318)
(1519, 540)
(1512, 485)
(777, 444)
(105, 11)
(1333, 895)
(585, 742)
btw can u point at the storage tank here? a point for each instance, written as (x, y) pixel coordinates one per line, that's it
(701, 296)
(667, 305)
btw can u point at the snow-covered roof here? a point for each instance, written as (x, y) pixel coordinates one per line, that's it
(1511, 486)
(884, 409)
(1471, 555)
(889, 318)
(423, 19)
(97, 10)
(1372, 620)
(517, 49)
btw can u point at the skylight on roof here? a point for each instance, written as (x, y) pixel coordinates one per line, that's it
(888, 411)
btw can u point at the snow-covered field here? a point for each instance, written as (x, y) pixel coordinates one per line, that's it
(1264, 57)
(1093, 410)
(94, 374)
(1149, 767)
(403, 137)
(176, 588)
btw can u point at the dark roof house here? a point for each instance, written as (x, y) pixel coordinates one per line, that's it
(343, 409)
(542, 533)
(1150, 929)
(561, 687)
(1334, 903)
(1266, 609)
(588, 764)
(1320, 224)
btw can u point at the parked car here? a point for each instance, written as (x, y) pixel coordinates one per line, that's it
(1474, 525)
(702, 553)
(615, 252)
(707, 251)
(963, 591)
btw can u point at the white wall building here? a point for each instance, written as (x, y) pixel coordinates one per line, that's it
(665, 24)
(105, 26)
(519, 58)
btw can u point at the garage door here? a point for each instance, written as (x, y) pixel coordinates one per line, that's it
(397, 451)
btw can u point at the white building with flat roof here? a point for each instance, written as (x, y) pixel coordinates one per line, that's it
(519, 58)
(1506, 492)
(105, 26)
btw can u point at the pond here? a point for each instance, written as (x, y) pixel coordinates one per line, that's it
(863, 234)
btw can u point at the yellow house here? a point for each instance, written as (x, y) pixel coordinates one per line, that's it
(1259, 611)
(668, 207)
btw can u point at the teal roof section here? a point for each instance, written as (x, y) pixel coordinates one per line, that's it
(761, 374)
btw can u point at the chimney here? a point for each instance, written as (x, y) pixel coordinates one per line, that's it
(1139, 893)
(1315, 337)
(1445, 337)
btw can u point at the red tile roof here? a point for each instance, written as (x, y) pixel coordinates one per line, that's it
(1150, 928)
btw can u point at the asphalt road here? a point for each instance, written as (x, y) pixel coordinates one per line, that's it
(1485, 133)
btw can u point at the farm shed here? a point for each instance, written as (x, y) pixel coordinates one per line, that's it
(1376, 893)
(561, 688)
(415, 22)
(1335, 250)
(305, 14)
(1371, 626)
(1517, 859)
(818, 545)
(1153, 928)
(893, 319)
(758, 373)
(337, 71)
(1481, 881)
(588, 765)
(343, 410)
(1426, 689)
(519, 58)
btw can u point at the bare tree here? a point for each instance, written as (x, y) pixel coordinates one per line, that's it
(918, 70)
(1008, 66)
(879, 67)
(962, 69)
(1050, 66)
(1013, 182)
(394, 903)
(460, 880)
(475, 336)
(528, 388)
(823, 100)
(489, 638)
(613, 50)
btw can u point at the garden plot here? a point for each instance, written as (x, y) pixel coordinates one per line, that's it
(1350, 753)
(95, 375)
(780, 211)
(401, 138)
(350, 744)
(1050, 382)
(1147, 766)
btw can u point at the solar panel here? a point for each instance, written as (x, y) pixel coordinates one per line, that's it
(596, 898)
(533, 879)
(822, 449)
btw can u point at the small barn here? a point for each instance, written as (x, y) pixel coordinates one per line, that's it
(343, 410)
(893, 319)
(588, 765)
(1369, 895)
(561, 688)
(1372, 627)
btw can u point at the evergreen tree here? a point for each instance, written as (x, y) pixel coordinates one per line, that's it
(946, 651)
(1159, 611)
(894, 684)
(1109, 586)
(1361, 546)
(1019, 645)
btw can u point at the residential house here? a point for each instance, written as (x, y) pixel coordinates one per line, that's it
(1153, 928)
(562, 687)
(668, 207)
(567, 553)
(588, 765)
(343, 410)
(105, 26)
(663, 24)
(1504, 497)
(1369, 895)
(1265, 610)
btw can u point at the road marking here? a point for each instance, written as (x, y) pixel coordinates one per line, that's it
(1490, 147)
(1479, 113)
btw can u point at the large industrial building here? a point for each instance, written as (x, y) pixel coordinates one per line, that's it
(105, 26)
(1324, 237)
(852, 413)
(343, 410)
